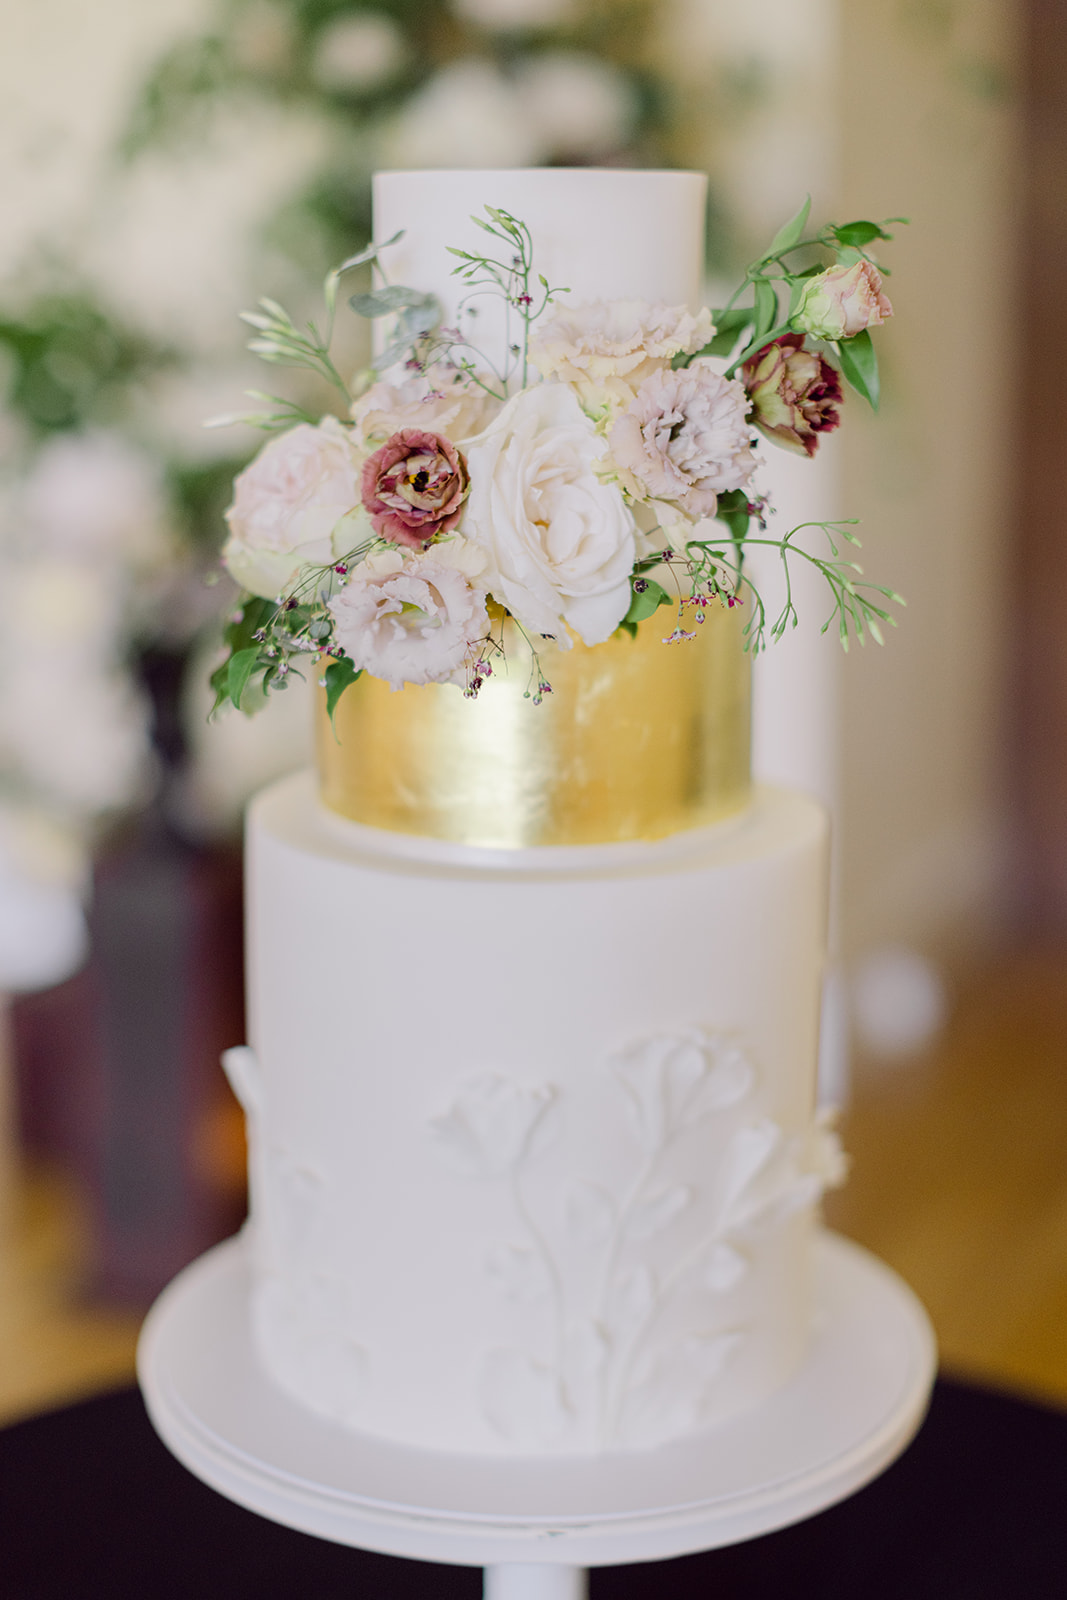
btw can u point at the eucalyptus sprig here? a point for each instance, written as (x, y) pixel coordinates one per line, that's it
(279, 341)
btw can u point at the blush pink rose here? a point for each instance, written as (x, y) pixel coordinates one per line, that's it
(286, 504)
(842, 301)
(795, 393)
(414, 487)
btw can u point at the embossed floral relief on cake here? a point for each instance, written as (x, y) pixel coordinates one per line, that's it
(614, 1268)
(303, 1312)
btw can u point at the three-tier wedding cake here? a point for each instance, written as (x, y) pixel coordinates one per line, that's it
(534, 978)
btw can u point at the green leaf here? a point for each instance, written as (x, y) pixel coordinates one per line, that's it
(729, 327)
(240, 668)
(733, 510)
(793, 231)
(380, 302)
(256, 613)
(766, 308)
(366, 255)
(645, 601)
(339, 674)
(859, 363)
(860, 233)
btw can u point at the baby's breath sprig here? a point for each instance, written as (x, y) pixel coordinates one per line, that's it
(510, 278)
(268, 640)
(857, 604)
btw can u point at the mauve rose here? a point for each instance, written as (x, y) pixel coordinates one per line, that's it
(842, 301)
(414, 487)
(795, 393)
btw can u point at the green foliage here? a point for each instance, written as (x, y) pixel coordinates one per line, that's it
(646, 597)
(776, 280)
(339, 674)
(733, 509)
(790, 233)
(74, 365)
(858, 608)
(859, 363)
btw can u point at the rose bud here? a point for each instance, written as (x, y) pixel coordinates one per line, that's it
(794, 392)
(842, 301)
(414, 487)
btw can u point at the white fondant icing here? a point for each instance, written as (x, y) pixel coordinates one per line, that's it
(514, 1197)
(641, 235)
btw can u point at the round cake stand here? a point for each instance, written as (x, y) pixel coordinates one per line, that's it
(535, 1525)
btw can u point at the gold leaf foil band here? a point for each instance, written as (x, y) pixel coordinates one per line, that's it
(638, 740)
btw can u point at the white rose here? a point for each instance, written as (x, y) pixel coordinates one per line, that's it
(412, 617)
(286, 504)
(560, 542)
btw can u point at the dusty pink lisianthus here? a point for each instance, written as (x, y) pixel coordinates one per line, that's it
(842, 301)
(414, 487)
(795, 393)
(412, 618)
(684, 438)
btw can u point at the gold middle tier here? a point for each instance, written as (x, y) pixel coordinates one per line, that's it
(638, 740)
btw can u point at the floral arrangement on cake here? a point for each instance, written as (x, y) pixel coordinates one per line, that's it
(607, 469)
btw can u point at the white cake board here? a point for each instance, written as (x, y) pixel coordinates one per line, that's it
(534, 1524)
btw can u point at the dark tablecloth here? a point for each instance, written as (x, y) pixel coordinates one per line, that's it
(93, 1507)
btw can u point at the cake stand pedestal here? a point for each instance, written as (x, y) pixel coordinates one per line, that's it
(535, 1525)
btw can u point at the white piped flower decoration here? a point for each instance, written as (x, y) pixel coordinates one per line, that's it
(559, 541)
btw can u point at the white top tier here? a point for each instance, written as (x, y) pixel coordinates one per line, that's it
(603, 233)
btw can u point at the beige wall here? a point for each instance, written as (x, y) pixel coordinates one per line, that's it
(929, 129)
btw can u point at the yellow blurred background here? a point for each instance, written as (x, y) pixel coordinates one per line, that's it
(164, 165)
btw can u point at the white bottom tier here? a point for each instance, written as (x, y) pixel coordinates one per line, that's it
(533, 1155)
(850, 1408)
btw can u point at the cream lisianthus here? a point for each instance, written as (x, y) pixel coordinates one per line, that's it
(286, 504)
(413, 617)
(559, 541)
(437, 402)
(607, 349)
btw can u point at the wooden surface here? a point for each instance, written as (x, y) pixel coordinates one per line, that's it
(959, 1176)
(959, 1181)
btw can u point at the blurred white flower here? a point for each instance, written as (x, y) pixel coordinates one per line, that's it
(232, 755)
(42, 928)
(466, 116)
(94, 496)
(261, 37)
(357, 52)
(508, 15)
(80, 738)
(576, 104)
(68, 610)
